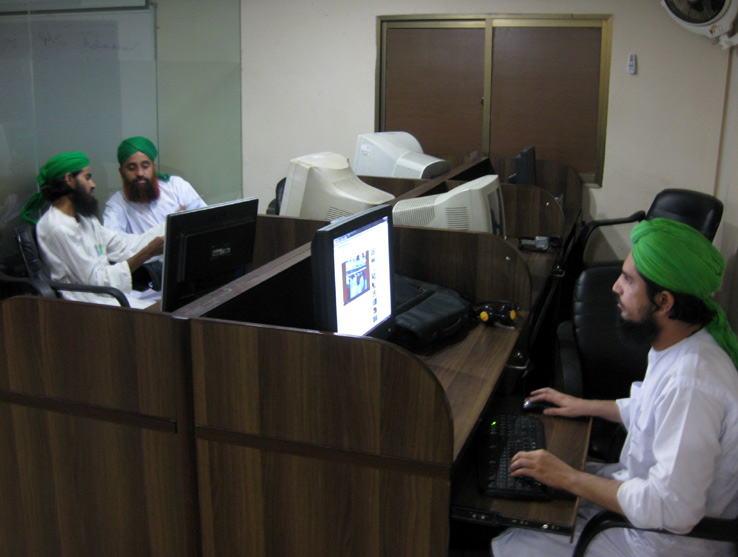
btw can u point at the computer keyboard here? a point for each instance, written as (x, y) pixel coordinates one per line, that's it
(501, 437)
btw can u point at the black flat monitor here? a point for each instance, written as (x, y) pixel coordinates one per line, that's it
(206, 248)
(525, 168)
(352, 274)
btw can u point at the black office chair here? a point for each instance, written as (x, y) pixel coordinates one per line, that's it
(595, 363)
(716, 529)
(39, 278)
(276, 203)
(699, 210)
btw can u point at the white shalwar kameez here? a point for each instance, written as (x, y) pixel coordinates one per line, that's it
(679, 462)
(136, 218)
(85, 252)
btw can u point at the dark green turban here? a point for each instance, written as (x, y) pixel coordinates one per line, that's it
(679, 258)
(55, 167)
(137, 144)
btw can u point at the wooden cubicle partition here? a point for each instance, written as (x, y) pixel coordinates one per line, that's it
(318, 444)
(97, 446)
(560, 180)
(531, 211)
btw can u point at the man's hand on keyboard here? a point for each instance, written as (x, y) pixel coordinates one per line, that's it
(543, 467)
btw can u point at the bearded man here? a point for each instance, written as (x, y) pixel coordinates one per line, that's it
(680, 459)
(147, 197)
(75, 247)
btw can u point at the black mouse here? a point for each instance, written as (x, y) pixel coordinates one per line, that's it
(537, 407)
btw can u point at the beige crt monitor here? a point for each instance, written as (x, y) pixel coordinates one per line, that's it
(323, 186)
(395, 154)
(475, 206)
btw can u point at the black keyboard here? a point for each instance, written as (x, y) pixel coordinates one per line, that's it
(500, 438)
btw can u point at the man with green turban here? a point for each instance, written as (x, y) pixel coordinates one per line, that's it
(147, 197)
(75, 247)
(680, 458)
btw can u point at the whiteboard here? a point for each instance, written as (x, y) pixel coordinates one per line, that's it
(81, 81)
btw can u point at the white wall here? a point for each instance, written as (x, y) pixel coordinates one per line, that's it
(308, 85)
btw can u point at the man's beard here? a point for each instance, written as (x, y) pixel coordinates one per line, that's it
(644, 331)
(84, 203)
(144, 191)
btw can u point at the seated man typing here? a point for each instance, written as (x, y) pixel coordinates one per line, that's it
(75, 246)
(680, 459)
(147, 197)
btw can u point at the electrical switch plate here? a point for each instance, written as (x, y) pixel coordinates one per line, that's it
(632, 63)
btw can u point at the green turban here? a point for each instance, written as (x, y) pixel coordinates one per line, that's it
(679, 258)
(55, 167)
(60, 165)
(138, 144)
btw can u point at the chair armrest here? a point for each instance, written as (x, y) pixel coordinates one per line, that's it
(576, 256)
(28, 285)
(571, 366)
(716, 529)
(93, 289)
(593, 225)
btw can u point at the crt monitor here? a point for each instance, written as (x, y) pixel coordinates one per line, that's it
(525, 168)
(395, 155)
(352, 274)
(322, 186)
(206, 248)
(475, 206)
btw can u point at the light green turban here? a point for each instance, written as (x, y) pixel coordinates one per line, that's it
(679, 258)
(137, 144)
(55, 167)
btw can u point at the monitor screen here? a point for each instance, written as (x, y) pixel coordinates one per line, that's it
(206, 248)
(475, 206)
(395, 155)
(352, 274)
(322, 186)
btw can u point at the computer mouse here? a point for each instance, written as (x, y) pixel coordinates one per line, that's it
(537, 407)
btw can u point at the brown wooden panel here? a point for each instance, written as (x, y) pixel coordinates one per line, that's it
(559, 179)
(277, 235)
(479, 266)
(434, 87)
(545, 92)
(531, 211)
(78, 486)
(319, 389)
(97, 445)
(261, 503)
(113, 357)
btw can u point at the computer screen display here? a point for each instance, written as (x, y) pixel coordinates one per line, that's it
(475, 206)
(323, 186)
(395, 155)
(206, 248)
(352, 274)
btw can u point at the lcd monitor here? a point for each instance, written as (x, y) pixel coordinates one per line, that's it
(322, 186)
(395, 155)
(352, 274)
(475, 206)
(525, 168)
(205, 249)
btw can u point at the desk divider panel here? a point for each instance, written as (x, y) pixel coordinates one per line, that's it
(557, 178)
(97, 453)
(318, 444)
(531, 211)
